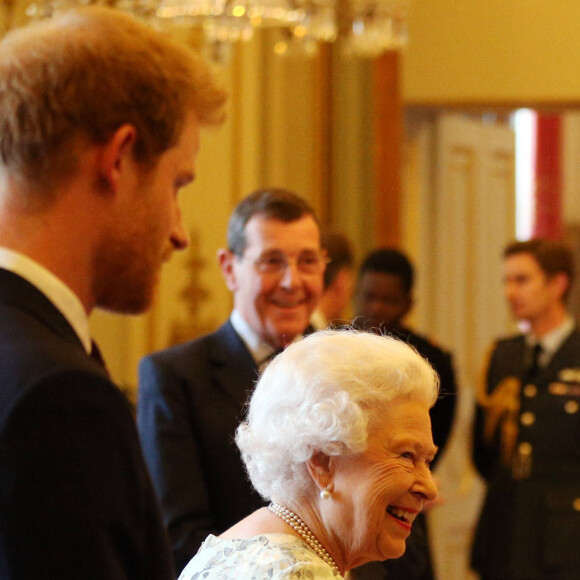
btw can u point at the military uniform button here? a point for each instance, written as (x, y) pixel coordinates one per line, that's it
(525, 448)
(527, 418)
(530, 391)
(571, 407)
(576, 504)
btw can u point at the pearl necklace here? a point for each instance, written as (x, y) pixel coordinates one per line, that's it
(295, 522)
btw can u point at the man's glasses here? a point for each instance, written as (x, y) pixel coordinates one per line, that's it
(277, 263)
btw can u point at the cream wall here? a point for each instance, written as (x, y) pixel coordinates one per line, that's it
(493, 51)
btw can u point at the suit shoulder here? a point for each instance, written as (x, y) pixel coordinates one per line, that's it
(196, 346)
(32, 355)
(191, 347)
(504, 356)
(424, 344)
(508, 342)
(215, 348)
(575, 336)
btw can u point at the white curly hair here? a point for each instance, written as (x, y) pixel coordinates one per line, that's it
(323, 394)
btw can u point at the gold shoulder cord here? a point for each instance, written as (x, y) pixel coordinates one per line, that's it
(501, 410)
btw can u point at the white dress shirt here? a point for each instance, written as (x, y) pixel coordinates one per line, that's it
(257, 347)
(552, 341)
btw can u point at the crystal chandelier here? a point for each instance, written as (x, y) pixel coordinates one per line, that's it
(364, 27)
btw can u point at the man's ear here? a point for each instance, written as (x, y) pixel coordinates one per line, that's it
(115, 156)
(321, 469)
(340, 281)
(409, 305)
(561, 282)
(226, 262)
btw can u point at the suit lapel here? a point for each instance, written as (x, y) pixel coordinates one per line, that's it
(235, 370)
(17, 292)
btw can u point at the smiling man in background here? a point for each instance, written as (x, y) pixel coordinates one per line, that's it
(192, 396)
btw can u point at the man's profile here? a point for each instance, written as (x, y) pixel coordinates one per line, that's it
(100, 121)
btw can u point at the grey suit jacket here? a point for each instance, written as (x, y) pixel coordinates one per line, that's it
(191, 400)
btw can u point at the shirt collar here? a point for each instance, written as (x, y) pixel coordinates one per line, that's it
(53, 288)
(318, 319)
(552, 341)
(257, 347)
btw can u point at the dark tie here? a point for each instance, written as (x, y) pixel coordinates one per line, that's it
(533, 367)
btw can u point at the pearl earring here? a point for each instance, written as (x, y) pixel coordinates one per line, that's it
(325, 493)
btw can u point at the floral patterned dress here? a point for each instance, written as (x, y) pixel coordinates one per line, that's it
(263, 557)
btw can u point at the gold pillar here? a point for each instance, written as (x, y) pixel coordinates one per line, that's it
(388, 130)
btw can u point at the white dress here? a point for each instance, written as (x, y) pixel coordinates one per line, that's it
(263, 557)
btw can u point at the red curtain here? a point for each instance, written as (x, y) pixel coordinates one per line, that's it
(548, 177)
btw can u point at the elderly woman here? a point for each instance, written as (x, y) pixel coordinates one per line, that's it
(338, 439)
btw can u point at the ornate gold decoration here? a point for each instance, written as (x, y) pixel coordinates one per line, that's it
(194, 296)
(501, 412)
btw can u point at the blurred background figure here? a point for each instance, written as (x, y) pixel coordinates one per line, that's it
(383, 298)
(192, 396)
(338, 440)
(338, 281)
(527, 429)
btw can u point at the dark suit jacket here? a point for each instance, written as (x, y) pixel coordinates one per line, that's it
(75, 497)
(530, 522)
(191, 400)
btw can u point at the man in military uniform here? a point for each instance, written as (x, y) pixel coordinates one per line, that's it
(527, 427)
